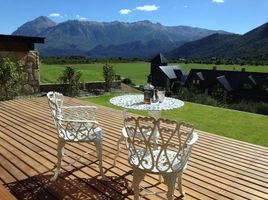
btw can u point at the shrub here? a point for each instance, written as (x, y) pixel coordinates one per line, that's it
(193, 95)
(243, 106)
(262, 108)
(108, 74)
(250, 106)
(196, 97)
(127, 81)
(8, 79)
(117, 77)
(71, 78)
(206, 99)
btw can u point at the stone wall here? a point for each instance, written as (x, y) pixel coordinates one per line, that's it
(28, 69)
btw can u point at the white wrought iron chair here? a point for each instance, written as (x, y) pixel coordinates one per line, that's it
(74, 124)
(168, 157)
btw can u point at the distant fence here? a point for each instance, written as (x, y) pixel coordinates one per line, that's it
(89, 86)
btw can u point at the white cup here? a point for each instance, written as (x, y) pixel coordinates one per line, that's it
(161, 96)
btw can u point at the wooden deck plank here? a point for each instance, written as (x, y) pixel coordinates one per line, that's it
(55, 159)
(5, 194)
(219, 167)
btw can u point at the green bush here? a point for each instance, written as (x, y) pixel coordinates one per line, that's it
(206, 99)
(127, 81)
(8, 79)
(71, 78)
(108, 74)
(196, 97)
(251, 106)
(262, 108)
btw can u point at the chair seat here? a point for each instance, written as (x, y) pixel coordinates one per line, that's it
(138, 134)
(82, 136)
(162, 165)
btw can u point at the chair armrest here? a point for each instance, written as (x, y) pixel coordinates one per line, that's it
(82, 107)
(194, 139)
(78, 112)
(78, 121)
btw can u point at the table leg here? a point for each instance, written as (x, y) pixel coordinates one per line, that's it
(155, 114)
(121, 138)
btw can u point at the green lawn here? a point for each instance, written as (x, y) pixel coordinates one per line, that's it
(248, 127)
(250, 68)
(136, 71)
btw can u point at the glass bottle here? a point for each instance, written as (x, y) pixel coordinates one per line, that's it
(148, 93)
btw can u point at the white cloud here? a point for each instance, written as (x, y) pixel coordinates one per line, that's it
(79, 17)
(147, 8)
(139, 8)
(185, 6)
(55, 15)
(218, 1)
(124, 11)
(82, 18)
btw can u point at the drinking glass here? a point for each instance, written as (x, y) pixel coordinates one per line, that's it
(161, 96)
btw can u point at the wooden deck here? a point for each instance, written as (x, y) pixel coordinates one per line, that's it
(219, 168)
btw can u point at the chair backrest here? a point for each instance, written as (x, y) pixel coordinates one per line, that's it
(169, 153)
(55, 101)
(73, 123)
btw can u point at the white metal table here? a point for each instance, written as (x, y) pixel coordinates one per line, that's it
(136, 102)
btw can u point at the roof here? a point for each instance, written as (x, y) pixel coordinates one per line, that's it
(26, 39)
(224, 82)
(170, 71)
(160, 57)
(234, 79)
(252, 79)
(200, 75)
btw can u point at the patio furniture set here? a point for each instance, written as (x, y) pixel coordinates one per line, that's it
(154, 145)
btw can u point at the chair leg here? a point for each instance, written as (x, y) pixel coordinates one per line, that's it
(61, 144)
(138, 176)
(170, 181)
(98, 145)
(118, 148)
(160, 178)
(180, 183)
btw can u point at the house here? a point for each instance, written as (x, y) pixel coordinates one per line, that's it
(21, 49)
(236, 85)
(162, 75)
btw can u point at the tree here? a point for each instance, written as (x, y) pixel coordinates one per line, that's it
(108, 74)
(9, 79)
(71, 78)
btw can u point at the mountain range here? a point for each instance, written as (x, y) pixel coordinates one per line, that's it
(253, 44)
(142, 39)
(109, 39)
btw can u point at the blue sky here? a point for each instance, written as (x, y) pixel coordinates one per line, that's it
(237, 16)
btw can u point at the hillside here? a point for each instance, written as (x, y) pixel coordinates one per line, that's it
(35, 27)
(213, 45)
(75, 37)
(138, 49)
(252, 44)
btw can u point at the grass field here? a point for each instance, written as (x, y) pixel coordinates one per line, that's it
(248, 127)
(136, 71)
(250, 68)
